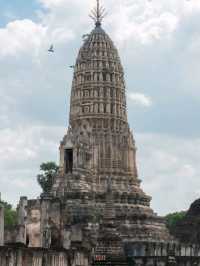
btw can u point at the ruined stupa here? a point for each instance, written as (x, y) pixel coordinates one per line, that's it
(94, 210)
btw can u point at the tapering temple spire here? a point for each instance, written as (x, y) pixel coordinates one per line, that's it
(97, 14)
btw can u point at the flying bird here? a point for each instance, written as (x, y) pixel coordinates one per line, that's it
(85, 36)
(51, 49)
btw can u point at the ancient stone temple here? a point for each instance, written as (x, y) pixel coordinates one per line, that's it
(93, 211)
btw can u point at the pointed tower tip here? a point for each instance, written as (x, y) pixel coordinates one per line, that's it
(97, 14)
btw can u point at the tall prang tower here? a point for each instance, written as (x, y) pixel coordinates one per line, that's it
(99, 145)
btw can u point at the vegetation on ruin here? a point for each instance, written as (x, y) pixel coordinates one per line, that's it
(173, 218)
(48, 172)
(49, 168)
(10, 215)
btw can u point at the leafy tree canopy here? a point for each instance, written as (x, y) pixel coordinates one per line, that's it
(10, 215)
(173, 218)
(45, 179)
(49, 168)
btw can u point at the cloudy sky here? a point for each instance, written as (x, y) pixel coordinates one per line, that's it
(159, 43)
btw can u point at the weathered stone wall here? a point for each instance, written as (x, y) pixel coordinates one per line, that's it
(161, 249)
(136, 254)
(1, 225)
(151, 254)
(12, 256)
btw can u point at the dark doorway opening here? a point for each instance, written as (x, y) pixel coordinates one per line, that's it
(68, 161)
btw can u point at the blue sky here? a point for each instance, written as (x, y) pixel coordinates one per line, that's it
(18, 9)
(158, 42)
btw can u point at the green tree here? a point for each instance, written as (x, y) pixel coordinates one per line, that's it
(10, 215)
(49, 168)
(48, 172)
(173, 218)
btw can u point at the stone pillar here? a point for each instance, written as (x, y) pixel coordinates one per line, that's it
(19, 260)
(11, 258)
(22, 216)
(45, 229)
(61, 260)
(54, 260)
(66, 239)
(80, 259)
(1, 225)
(37, 260)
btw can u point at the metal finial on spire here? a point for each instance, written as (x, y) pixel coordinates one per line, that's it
(97, 14)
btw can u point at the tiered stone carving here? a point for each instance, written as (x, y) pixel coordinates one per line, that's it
(99, 143)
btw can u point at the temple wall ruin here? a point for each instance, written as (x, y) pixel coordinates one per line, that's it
(12, 256)
(140, 254)
(1, 225)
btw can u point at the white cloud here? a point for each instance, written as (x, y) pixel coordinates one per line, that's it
(140, 99)
(21, 36)
(22, 151)
(142, 21)
(147, 22)
(52, 3)
(25, 36)
(169, 167)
